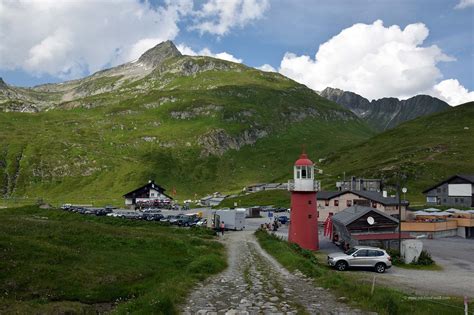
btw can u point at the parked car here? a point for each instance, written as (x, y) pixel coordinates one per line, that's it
(176, 219)
(153, 216)
(202, 222)
(361, 256)
(283, 219)
(168, 218)
(185, 220)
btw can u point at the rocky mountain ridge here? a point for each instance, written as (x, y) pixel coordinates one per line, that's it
(385, 113)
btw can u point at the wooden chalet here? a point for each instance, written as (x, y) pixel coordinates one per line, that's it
(151, 192)
(359, 225)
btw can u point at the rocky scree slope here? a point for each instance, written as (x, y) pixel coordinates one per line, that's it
(196, 123)
(385, 113)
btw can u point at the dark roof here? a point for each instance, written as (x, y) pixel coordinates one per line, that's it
(371, 195)
(150, 184)
(349, 215)
(467, 177)
(324, 195)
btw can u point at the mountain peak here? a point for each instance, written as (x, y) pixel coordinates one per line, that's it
(156, 55)
(3, 85)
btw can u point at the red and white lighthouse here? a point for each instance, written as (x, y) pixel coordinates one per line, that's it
(304, 214)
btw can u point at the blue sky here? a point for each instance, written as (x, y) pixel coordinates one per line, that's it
(435, 53)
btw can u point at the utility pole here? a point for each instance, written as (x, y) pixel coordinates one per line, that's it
(399, 193)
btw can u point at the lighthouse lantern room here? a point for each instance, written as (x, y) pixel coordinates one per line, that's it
(304, 215)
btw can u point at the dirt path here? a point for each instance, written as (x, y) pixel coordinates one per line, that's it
(255, 283)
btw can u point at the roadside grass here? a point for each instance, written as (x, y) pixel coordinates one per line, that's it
(384, 300)
(58, 262)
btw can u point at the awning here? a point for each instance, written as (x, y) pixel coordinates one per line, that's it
(380, 236)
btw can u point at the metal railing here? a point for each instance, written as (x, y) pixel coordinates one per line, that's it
(316, 185)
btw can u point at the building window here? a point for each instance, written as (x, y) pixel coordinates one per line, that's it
(336, 203)
(455, 200)
(431, 199)
(326, 203)
(461, 200)
(309, 202)
(298, 172)
(374, 205)
(349, 203)
(438, 190)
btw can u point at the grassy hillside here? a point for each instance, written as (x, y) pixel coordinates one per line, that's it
(426, 150)
(63, 263)
(195, 123)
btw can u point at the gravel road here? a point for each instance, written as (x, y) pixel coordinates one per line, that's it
(255, 283)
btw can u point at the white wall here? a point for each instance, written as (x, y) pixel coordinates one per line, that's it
(460, 190)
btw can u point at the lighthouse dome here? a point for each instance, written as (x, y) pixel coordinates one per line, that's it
(304, 161)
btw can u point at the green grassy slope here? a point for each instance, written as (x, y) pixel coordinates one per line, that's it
(427, 150)
(62, 263)
(99, 147)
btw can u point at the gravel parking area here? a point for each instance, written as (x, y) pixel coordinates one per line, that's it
(454, 255)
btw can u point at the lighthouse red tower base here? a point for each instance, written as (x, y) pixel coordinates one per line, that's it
(304, 220)
(304, 213)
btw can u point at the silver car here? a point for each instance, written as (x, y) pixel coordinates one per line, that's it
(361, 256)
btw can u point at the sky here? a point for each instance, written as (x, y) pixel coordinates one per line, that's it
(376, 48)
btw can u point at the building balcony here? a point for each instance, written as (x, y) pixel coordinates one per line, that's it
(304, 185)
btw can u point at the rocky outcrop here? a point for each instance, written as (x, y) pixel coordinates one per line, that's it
(218, 141)
(385, 113)
(208, 111)
(156, 55)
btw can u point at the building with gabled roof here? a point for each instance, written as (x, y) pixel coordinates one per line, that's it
(150, 192)
(359, 225)
(336, 201)
(455, 191)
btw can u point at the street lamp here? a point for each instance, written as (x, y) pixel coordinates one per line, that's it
(399, 193)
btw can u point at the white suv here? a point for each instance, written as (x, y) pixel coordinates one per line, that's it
(361, 256)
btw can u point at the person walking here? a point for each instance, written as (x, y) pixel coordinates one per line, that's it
(222, 226)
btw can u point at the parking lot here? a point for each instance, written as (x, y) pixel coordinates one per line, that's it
(454, 255)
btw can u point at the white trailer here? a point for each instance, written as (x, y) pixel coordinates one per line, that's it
(233, 219)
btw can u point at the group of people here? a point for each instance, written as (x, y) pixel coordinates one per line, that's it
(271, 226)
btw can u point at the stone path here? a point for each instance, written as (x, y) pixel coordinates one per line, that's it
(255, 283)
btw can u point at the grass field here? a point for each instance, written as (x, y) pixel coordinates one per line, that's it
(59, 262)
(384, 300)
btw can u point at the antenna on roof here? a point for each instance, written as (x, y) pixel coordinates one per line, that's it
(303, 148)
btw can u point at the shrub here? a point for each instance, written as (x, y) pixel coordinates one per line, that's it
(395, 254)
(424, 259)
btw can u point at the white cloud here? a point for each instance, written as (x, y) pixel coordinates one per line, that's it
(372, 60)
(452, 92)
(185, 50)
(266, 67)
(72, 38)
(69, 39)
(219, 16)
(464, 4)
